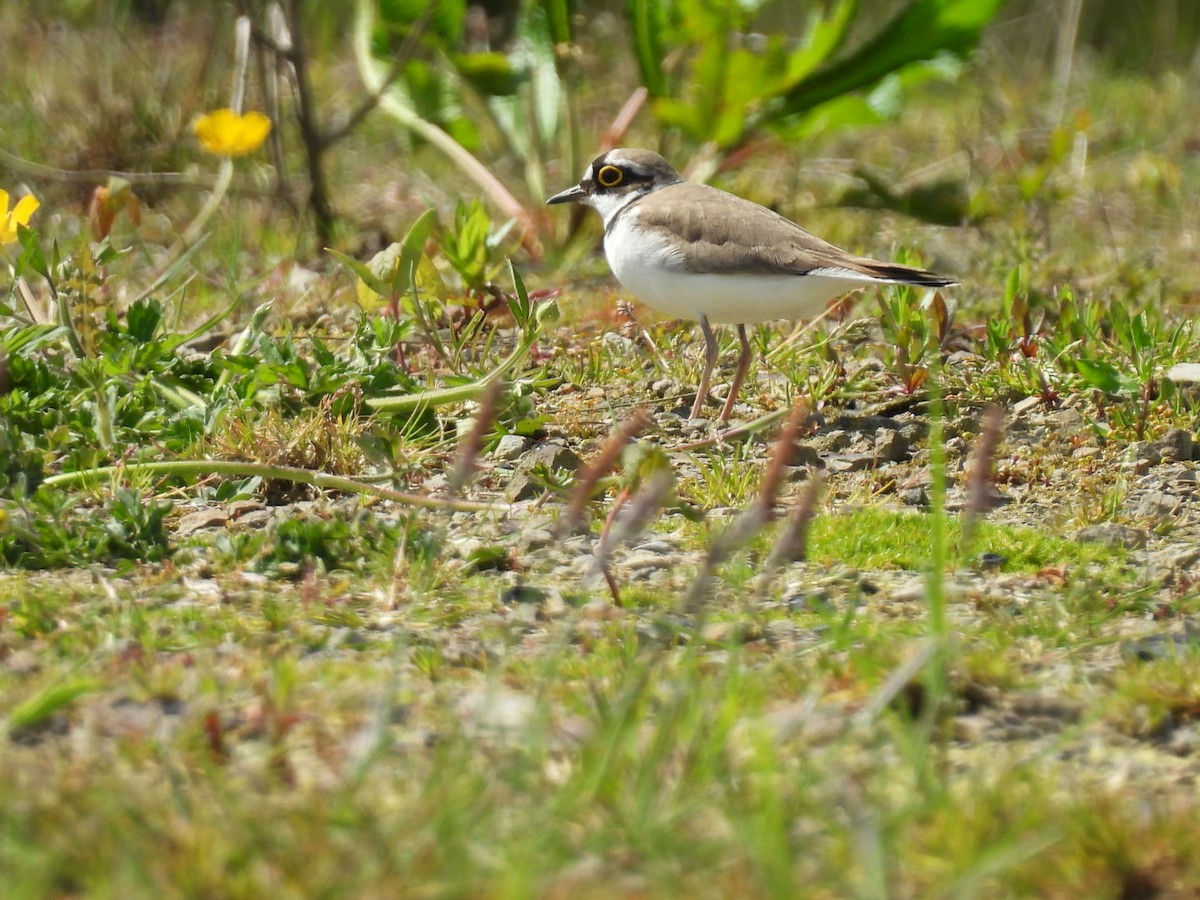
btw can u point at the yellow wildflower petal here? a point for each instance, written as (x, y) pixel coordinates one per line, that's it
(25, 208)
(225, 133)
(255, 128)
(18, 216)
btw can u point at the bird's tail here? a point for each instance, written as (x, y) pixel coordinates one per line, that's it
(910, 275)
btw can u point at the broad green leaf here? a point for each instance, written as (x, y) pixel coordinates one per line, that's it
(850, 111)
(418, 233)
(1104, 376)
(395, 18)
(366, 277)
(922, 30)
(824, 36)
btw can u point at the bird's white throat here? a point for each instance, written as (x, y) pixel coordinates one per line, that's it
(608, 205)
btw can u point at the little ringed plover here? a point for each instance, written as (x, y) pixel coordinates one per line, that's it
(695, 252)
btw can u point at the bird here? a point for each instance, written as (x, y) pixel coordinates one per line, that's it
(696, 252)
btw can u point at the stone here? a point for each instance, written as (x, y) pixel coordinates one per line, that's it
(850, 462)
(1068, 420)
(510, 447)
(656, 546)
(201, 519)
(802, 456)
(1180, 556)
(1176, 445)
(550, 455)
(970, 729)
(832, 441)
(914, 431)
(891, 445)
(1023, 406)
(666, 387)
(1110, 534)
(1162, 646)
(535, 539)
(1154, 505)
(643, 560)
(1184, 373)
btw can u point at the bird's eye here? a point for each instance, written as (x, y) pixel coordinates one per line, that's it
(609, 176)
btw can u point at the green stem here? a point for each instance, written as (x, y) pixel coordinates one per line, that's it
(456, 394)
(224, 178)
(935, 582)
(239, 469)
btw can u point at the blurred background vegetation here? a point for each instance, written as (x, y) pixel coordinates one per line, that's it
(383, 109)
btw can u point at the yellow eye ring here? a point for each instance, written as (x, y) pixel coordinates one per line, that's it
(609, 176)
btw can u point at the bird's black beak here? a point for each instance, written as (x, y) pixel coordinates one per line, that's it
(571, 193)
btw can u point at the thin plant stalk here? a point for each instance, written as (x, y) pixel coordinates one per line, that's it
(241, 469)
(936, 680)
(241, 58)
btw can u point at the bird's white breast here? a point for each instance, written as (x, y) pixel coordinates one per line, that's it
(650, 266)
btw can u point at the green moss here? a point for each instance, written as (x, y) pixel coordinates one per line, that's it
(876, 537)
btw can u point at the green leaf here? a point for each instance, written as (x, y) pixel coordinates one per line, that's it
(825, 35)
(32, 257)
(1104, 376)
(649, 22)
(397, 17)
(364, 273)
(921, 31)
(143, 319)
(558, 19)
(413, 246)
(520, 305)
(1140, 334)
(39, 708)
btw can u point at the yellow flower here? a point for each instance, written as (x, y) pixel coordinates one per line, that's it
(19, 216)
(225, 133)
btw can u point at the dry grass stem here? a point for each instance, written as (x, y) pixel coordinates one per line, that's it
(781, 457)
(628, 522)
(792, 543)
(979, 472)
(600, 465)
(756, 516)
(467, 459)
